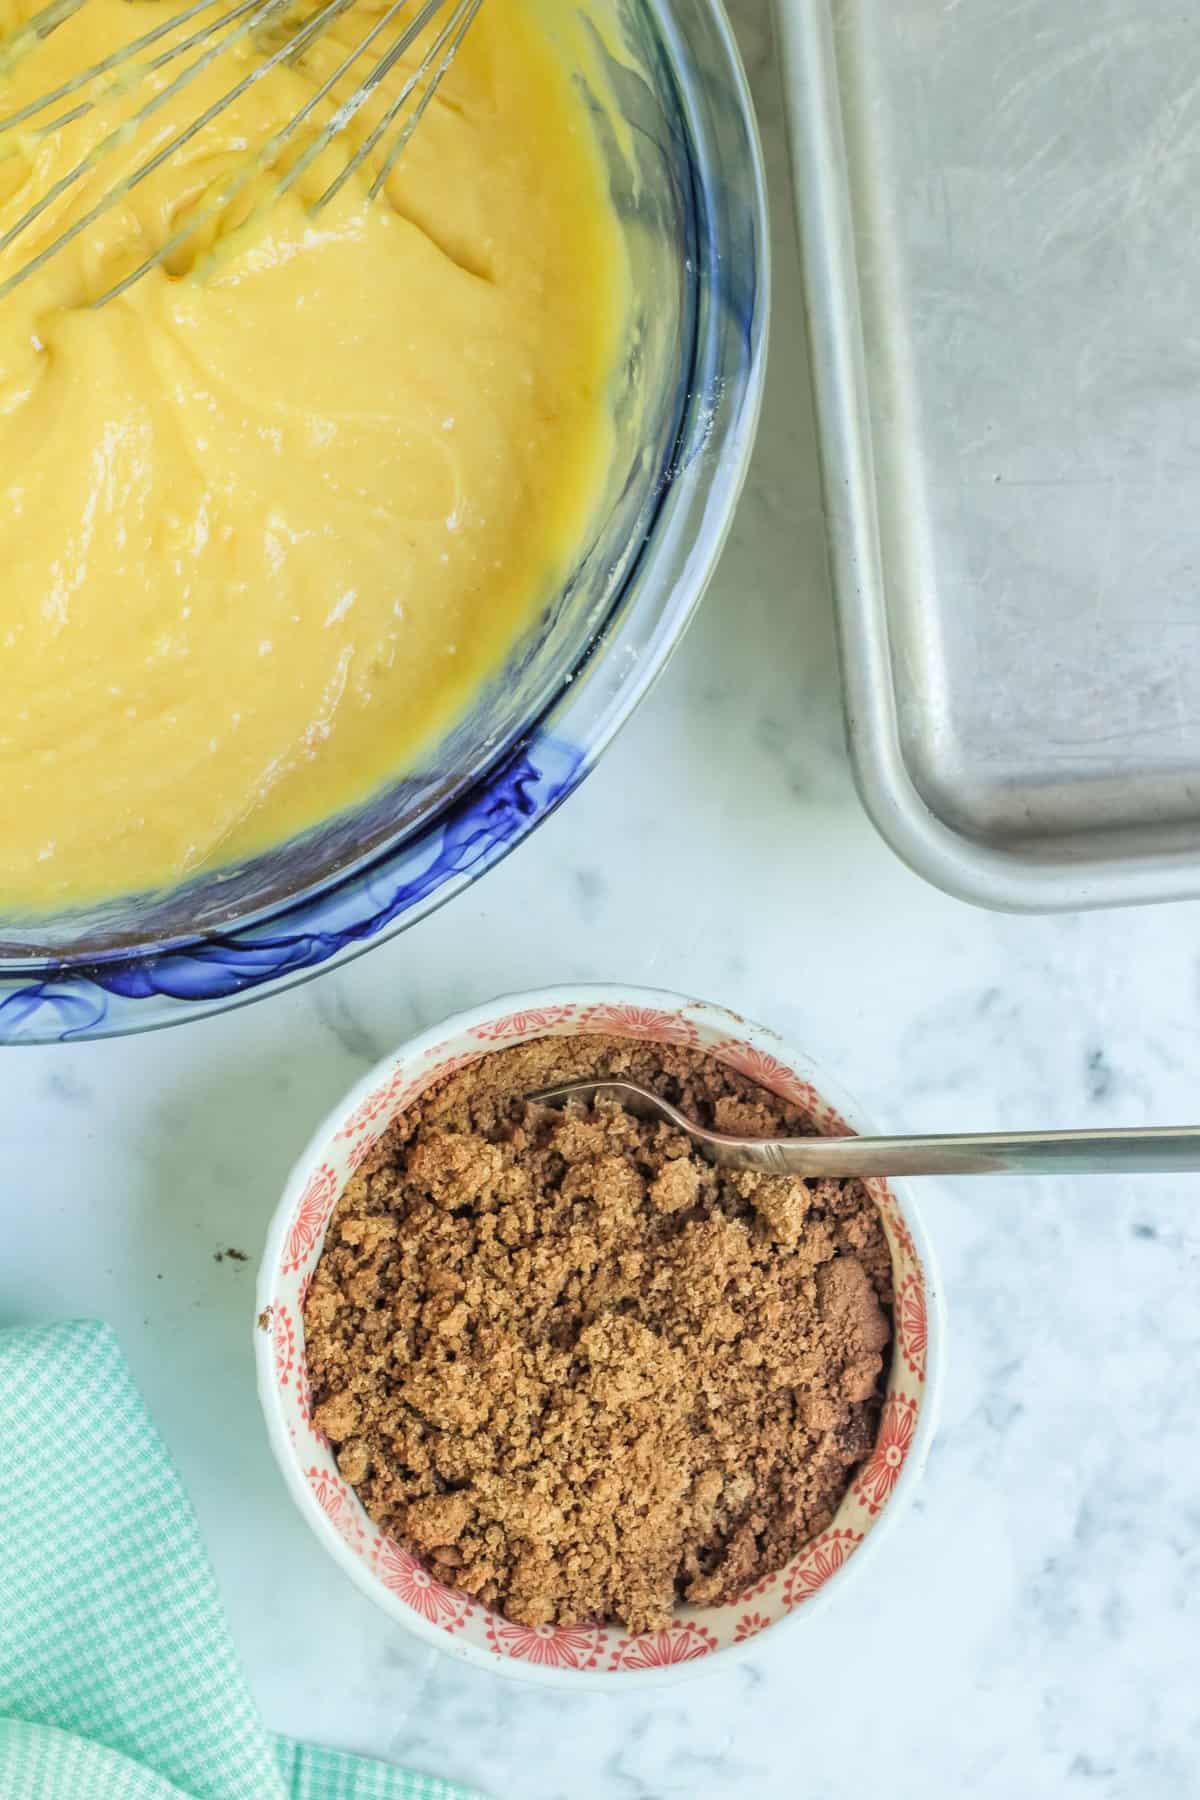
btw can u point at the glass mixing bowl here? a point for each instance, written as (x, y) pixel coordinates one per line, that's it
(673, 111)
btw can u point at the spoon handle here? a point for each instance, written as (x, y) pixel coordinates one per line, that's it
(1150, 1151)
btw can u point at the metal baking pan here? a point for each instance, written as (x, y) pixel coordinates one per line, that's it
(998, 210)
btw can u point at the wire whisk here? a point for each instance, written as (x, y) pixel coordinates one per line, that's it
(280, 35)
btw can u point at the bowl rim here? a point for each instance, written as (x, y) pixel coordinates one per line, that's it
(47, 997)
(463, 1025)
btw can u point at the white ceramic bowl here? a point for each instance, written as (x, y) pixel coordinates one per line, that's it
(595, 1655)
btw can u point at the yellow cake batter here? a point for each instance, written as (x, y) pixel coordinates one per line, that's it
(269, 518)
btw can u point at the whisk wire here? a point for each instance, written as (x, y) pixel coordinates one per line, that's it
(247, 17)
(356, 101)
(127, 83)
(393, 111)
(467, 11)
(103, 67)
(36, 29)
(259, 11)
(230, 189)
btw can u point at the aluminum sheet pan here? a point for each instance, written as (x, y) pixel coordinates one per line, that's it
(999, 206)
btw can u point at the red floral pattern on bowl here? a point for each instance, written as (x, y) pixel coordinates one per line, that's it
(686, 1640)
(874, 1485)
(904, 1249)
(381, 1105)
(551, 1646)
(304, 1404)
(592, 1654)
(770, 1071)
(339, 1505)
(633, 1021)
(536, 1021)
(763, 1587)
(818, 1563)
(285, 1345)
(307, 1232)
(912, 1324)
(402, 1575)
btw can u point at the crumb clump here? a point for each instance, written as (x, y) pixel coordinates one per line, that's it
(581, 1372)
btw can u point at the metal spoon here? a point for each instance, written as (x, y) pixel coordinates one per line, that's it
(1154, 1150)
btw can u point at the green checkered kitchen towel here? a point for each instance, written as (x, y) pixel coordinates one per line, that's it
(118, 1680)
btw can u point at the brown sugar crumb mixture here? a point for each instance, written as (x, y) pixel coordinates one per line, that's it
(578, 1370)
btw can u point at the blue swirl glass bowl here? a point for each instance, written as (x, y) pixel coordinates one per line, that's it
(687, 178)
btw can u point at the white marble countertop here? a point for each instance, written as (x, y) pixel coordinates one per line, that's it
(1031, 1630)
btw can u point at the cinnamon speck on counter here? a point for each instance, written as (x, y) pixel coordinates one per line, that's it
(577, 1369)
